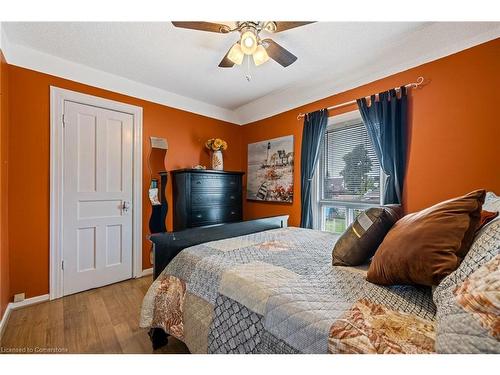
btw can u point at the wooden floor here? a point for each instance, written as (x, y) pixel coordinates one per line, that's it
(103, 320)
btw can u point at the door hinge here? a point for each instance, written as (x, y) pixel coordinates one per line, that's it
(62, 265)
(63, 122)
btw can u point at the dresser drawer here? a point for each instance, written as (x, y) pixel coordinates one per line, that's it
(230, 214)
(200, 181)
(205, 216)
(210, 215)
(228, 198)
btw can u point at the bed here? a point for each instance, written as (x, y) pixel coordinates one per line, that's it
(275, 291)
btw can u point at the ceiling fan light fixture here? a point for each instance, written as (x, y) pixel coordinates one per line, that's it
(235, 54)
(270, 26)
(248, 42)
(260, 56)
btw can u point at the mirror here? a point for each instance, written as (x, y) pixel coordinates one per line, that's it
(159, 147)
(158, 183)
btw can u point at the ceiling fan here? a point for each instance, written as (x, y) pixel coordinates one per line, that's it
(250, 42)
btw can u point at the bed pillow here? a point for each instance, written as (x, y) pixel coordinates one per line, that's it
(491, 202)
(467, 304)
(425, 246)
(360, 241)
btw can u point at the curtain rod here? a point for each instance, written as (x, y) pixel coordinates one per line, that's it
(419, 81)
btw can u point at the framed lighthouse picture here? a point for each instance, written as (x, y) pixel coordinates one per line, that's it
(270, 170)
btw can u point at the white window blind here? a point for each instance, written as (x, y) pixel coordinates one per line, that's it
(348, 178)
(351, 170)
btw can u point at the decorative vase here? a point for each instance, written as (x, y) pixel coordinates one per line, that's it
(217, 161)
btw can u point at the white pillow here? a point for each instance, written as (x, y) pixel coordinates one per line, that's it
(491, 202)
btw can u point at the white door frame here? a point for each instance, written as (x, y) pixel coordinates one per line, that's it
(57, 98)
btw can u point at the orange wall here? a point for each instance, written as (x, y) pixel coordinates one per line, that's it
(454, 129)
(4, 153)
(29, 169)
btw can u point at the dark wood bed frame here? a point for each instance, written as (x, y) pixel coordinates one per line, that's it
(167, 245)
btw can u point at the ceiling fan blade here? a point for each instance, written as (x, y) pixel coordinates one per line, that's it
(278, 53)
(226, 63)
(203, 26)
(287, 25)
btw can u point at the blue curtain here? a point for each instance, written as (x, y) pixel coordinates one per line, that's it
(386, 121)
(312, 135)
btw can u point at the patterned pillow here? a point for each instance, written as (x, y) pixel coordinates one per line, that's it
(491, 202)
(468, 300)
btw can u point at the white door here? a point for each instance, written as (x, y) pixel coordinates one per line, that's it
(97, 196)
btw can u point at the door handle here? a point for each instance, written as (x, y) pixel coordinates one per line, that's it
(125, 206)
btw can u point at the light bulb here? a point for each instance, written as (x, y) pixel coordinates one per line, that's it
(260, 56)
(248, 42)
(235, 54)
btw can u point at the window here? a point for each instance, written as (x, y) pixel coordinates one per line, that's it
(348, 178)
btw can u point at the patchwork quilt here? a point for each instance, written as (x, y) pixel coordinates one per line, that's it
(277, 292)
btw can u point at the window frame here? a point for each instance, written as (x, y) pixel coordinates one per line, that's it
(319, 203)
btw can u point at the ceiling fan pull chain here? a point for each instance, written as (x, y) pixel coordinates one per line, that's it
(248, 76)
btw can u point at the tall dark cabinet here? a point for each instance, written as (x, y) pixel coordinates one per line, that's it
(206, 197)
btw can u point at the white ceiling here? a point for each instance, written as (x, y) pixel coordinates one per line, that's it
(178, 67)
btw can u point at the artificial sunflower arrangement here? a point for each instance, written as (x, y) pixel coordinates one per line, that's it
(216, 144)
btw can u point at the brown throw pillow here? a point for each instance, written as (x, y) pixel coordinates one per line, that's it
(360, 241)
(424, 247)
(486, 217)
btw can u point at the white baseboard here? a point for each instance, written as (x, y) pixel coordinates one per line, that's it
(29, 301)
(17, 305)
(146, 272)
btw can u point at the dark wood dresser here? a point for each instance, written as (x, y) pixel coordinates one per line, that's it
(206, 197)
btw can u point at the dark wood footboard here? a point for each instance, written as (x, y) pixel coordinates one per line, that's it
(167, 245)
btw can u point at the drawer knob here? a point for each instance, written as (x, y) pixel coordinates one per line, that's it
(232, 197)
(233, 213)
(199, 216)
